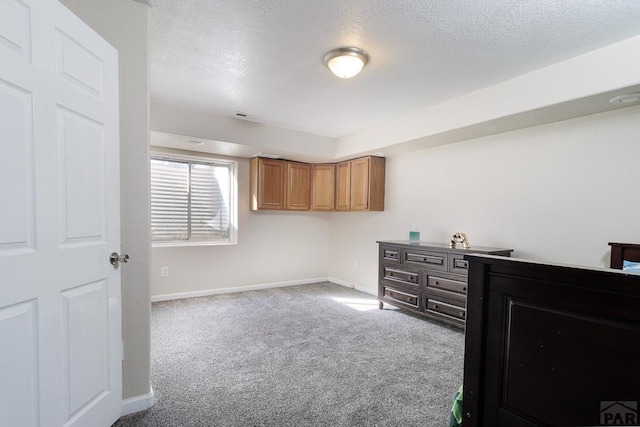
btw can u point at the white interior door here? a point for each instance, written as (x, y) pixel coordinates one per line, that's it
(60, 307)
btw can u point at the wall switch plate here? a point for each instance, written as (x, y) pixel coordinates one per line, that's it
(164, 271)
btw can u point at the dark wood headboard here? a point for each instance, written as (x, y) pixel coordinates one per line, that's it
(624, 252)
(549, 345)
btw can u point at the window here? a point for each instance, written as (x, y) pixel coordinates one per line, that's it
(192, 201)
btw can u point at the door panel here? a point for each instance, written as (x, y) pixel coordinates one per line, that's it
(19, 368)
(15, 28)
(16, 162)
(297, 191)
(85, 339)
(360, 184)
(82, 182)
(60, 306)
(78, 65)
(343, 186)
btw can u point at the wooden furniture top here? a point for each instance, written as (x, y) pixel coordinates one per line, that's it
(624, 252)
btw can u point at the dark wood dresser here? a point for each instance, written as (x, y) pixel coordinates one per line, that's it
(427, 278)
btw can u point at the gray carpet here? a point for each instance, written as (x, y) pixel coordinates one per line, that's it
(298, 356)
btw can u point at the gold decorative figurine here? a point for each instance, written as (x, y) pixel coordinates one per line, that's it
(460, 238)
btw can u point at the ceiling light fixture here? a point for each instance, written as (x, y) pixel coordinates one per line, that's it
(346, 62)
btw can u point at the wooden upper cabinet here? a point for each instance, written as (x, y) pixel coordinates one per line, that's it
(355, 185)
(267, 186)
(298, 186)
(376, 184)
(360, 184)
(323, 184)
(343, 186)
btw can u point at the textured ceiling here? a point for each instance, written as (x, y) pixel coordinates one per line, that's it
(264, 58)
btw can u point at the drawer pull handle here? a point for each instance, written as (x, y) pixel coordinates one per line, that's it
(461, 264)
(435, 306)
(390, 254)
(462, 314)
(425, 259)
(464, 289)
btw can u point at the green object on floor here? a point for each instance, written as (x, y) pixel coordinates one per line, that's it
(456, 410)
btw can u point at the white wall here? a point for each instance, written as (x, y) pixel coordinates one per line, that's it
(572, 88)
(556, 193)
(175, 120)
(124, 23)
(273, 247)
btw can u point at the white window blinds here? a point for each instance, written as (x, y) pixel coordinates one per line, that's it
(190, 200)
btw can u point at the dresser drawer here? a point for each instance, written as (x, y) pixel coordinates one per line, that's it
(404, 276)
(447, 284)
(458, 265)
(390, 255)
(425, 259)
(444, 308)
(403, 297)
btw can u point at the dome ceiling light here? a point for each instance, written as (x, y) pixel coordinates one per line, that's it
(346, 62)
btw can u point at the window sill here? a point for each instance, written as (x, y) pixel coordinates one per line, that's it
(188, 243)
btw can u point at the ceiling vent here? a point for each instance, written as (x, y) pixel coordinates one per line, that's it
(627, 98)
(245, 116)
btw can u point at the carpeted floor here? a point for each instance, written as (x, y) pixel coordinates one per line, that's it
(309, 355)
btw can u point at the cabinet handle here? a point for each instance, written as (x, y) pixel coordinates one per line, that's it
(464, 289)
(435, 306)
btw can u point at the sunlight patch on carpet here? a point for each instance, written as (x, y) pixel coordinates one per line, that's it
(359, 304)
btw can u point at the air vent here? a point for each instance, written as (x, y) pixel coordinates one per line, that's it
(627, 98)
(245, 116)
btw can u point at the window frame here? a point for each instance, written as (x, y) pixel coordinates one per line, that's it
(233, 198)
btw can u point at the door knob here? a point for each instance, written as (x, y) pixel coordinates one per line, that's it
(116, 259)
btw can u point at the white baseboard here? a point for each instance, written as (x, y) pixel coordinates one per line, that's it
(340, 282)
(349, 285)
(181, 295)
(138, 403)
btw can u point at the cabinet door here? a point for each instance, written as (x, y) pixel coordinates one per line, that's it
(298, 186)
(267, 184)
(323, 184)
(360, 184)
(343, 186)
(376, 183)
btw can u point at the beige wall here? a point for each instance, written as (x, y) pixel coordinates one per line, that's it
(553, 193)
(273, 247)
(124, 24)
(556, 193)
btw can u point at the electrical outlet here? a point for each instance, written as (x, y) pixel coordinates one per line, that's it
(164, 271)
(355, 265)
